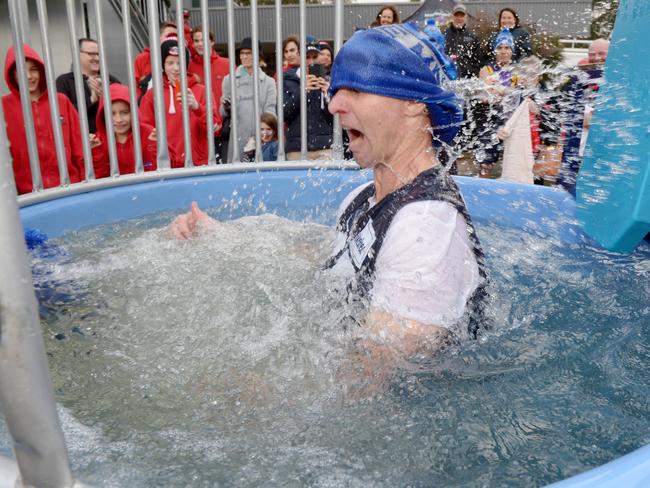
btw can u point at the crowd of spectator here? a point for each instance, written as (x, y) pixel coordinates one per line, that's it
(496, 82)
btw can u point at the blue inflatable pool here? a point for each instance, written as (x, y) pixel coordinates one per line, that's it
(313, 195)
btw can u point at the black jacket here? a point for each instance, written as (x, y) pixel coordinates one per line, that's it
(65, 85)
(319, 120)
(466, 47)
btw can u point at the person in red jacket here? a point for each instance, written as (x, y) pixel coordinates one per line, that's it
(218, 65)
(42, 126)
(121, 112)
(196, 97)
(142, 62)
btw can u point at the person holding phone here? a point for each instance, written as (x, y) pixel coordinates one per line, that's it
(319, 119)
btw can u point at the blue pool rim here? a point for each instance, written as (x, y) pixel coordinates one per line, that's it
(545, 212)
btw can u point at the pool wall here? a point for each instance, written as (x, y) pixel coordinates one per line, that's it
(314, 191)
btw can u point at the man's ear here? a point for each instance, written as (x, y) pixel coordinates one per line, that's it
(415, 109)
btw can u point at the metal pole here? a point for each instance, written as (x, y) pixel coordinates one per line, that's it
(256, 80)
(84, 20)
(52, 95)
(187, 137)
(135, 117)
(106, 90)
(79, 90)
(23, 22)
(26, 393)
(234, 140)
(303, 81)
(279, 58)
(337, 142)
(25, 101)
(207, 80)
(158, 96)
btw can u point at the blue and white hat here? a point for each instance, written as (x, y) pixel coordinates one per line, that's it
(504, 37)
(400, 61)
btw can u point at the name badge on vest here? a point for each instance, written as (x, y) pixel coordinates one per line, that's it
(361, 244)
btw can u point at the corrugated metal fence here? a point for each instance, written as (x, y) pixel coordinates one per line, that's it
(561, 17)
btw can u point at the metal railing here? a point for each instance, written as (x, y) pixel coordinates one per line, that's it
(26, 394)
(151, 7)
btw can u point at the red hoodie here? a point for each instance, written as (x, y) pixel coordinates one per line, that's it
(142, 62)
(125, 153)
(42, 128)
(219, 68)
(142, 67)
(174, 118)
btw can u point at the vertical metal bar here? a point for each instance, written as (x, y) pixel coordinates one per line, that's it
(26, 393)
(135, 117)
(84, 19)
(303, 81)
(25, 101)
(23, 22)
(52, 94)
(106, 91)
(182, 58)
(279, 57)
(79, 90)
(234, 145)
(158, 96)
(256, 80)
(207, 80)
(337, 142)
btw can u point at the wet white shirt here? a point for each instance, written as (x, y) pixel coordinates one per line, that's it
(426, 268)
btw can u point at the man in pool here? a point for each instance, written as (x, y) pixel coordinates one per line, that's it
(405, 239)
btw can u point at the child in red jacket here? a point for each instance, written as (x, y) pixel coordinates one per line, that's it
(121, 113)
(42, 126)
(196, 97)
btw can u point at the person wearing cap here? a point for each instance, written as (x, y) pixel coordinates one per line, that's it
(244, 90)
(405, 243)
(498, 103)
(462, 45)
(196, 101)
(405, 239)
(142, 62)
(320, 123)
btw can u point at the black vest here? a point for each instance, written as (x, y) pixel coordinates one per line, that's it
(432, 184)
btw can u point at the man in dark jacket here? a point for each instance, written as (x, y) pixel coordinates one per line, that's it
(89, 61)
(319, 119)
(462, 45)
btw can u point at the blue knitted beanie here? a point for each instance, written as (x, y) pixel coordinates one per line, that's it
(504, 37)
(399, 61)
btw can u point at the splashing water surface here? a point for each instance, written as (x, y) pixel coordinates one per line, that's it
(216, 362)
